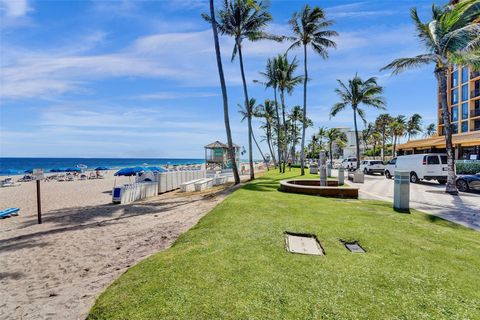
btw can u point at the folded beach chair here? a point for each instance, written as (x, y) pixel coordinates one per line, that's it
(9, 212)
(92, 175)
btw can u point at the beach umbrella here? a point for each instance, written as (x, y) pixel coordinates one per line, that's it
(56, 170)
(101, 168)
(8, 172)
(28, 171)
(73, 169)
(130, 171)
(155, 169)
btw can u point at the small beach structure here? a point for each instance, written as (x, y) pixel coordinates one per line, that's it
(217, 156)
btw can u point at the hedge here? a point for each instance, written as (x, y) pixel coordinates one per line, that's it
(468, 167)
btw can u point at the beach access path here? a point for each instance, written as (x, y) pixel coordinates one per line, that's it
(56, 270)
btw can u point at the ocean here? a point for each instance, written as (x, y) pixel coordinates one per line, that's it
(9, 166)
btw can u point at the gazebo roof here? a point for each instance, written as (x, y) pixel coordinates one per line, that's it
(218, 144)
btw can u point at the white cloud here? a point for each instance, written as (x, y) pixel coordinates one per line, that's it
(175, 95)
(14, 8)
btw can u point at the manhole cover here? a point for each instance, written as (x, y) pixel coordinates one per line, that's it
(354, 247)
(303, 244)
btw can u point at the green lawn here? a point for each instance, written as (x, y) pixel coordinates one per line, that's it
(233, 264)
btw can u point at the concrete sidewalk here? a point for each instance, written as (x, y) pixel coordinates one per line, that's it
(429, 197)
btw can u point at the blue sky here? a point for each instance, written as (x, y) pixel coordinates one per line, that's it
(139, 78)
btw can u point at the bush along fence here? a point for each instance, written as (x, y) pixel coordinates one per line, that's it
(467, 167)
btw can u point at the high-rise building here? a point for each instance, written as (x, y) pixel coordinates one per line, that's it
(463, 96)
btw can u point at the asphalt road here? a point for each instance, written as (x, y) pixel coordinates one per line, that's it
(429, 197)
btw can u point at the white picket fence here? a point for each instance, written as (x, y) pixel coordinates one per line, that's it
(129, 193)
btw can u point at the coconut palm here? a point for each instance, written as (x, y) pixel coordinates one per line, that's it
(414, 125)
(267, 112)
(294, 117)
(356, 93)
(309, 29)
(430, 130)
(252, 111)
(450, 37)
(382, 123)
(334, 135)
(287, 81)
(398, 127)
(366, 133)
(226, 118)
(244, 19)
(271, 81)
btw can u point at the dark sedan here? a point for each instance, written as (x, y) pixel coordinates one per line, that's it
(468, 182)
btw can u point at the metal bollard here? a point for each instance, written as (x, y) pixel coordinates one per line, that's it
(401, 192)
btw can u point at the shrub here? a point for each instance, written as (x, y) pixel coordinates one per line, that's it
(468, 167)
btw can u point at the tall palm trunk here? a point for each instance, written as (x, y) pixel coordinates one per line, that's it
(279, 142)
(258, 147)
(285, 146)
(356, 136)
(394, 150)
(383, 143)
(302, 153)
(330, 151)
(224, 95)
(269, 142)
(441, 75)
(249, 113)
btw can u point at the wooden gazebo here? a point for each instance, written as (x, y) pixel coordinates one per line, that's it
(216, 155)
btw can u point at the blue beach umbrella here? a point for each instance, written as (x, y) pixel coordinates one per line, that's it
(56, 170)
(28, 171)
(155, 169)
(129, 171)
(73, 169)
(101, 168)
(8, 172)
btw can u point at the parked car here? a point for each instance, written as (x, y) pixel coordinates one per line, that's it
(421, 167)
(468, 181)
(372, 166)
(349, 163)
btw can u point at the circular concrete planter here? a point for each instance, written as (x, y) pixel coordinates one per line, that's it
(312, 187)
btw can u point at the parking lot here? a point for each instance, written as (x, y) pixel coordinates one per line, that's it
(429, 197)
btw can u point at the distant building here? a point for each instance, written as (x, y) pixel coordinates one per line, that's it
(350, 149)
(464, 104)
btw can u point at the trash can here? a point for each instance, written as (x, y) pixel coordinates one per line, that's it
(401, 192)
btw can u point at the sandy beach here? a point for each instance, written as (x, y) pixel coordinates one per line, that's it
(56, 270)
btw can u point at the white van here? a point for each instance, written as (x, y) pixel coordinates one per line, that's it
(429, 166)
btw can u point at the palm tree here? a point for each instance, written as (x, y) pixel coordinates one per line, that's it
(271, 81)
(375, 139)
(252, 111)
(309, 29)
(286, 83)
(334, 135)
(366, 133)
(294, 117)
(267, 112)
(414, 125)
(382, 123)
(430, 130)
(451, 37)
(398, 128)
(244, 19)
(226, 118)
(358, 92)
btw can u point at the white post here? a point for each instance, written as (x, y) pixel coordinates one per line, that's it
(323, 169)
